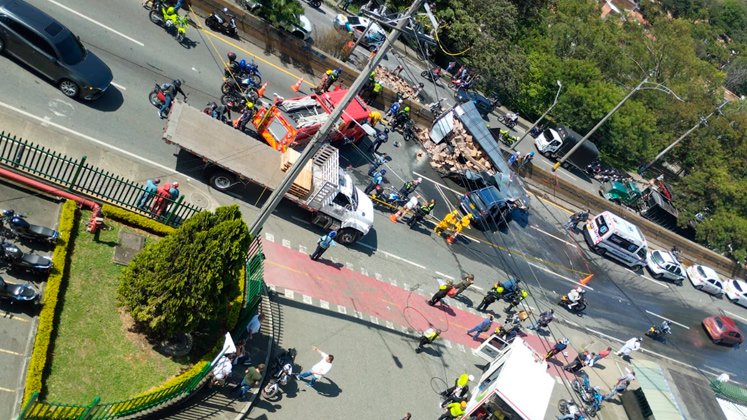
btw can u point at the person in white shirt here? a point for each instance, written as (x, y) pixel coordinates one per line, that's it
(318, 370)
(254, 325)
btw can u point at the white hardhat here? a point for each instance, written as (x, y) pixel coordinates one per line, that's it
(471, 378)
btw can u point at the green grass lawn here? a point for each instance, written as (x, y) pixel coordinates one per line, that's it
(94, 353)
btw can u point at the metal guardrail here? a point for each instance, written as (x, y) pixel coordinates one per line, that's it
(77, 175)
(36, 409)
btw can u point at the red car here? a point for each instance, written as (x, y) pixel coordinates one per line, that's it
(723, 329)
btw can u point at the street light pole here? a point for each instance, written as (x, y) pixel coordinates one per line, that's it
(318, 140)
(554, 102)
(701, 123)
(599, 124)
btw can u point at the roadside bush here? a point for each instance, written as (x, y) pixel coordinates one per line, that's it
(133, 219)
(60, 258)
(332, 42)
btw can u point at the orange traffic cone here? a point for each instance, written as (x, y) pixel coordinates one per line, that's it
(450, 239)
(261, 90)
(586, 279)
(296, 87)
(393, 218)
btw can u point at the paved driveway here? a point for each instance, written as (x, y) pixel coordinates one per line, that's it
(18, 323)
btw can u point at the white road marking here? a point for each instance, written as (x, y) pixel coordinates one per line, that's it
(736, 316)
(323, 304)
(269, 236)
(302, 249)
(286, 243)
(389, 325)
(559, 275)
(290, 294)
(667, 319)
(273, 288)
(307, 299)
(405, 286)
(7, 390)
(553, 236)
(388, 254)
(458, 193)
(89, 138)
(448, 344)
(378, 276)
(364, 271)
(118, 86)
(393, 282)
(358, 315)
(10, 352)
(444, 275)
(341, 309)
(349, 266)
(571, 322)
(374, 320)
(96, 23)
(462, 348)
(648, 279)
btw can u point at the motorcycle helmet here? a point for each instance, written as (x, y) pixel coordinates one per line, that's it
(386, 130)
(419, 180)
(242, 63)
(471, 378)
(231, 56)
(170, 11)
(250, 105)
(565, 341)
(177, 83)
(230, 104)
(383, 172)
(407, 109)
(225, 10)
(333, 234)
(328, 72)
(175, 185)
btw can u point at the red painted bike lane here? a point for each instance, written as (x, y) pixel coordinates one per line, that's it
(334, 283)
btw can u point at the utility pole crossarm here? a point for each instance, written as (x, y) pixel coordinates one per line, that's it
(317, 141)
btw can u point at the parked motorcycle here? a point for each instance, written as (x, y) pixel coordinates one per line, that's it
(18, 293)
(408, 130)
(579, 307)
(570, 407)
(282, 369)
(509, 120)
(19, 227)
(433, 74)
(591, 396)
(176, 25)
(16, 258)
(506, 138)
(224, 22)
(230, 85)
(314, 3)
(239, 99)
(251, 72)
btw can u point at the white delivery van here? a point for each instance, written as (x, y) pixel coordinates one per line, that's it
(611, 235)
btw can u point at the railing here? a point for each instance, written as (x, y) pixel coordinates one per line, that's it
(729, 391)
(76, 175)
(183, 386)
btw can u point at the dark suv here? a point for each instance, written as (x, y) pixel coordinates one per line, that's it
(484, 105)
(489, 207)
(42, 43)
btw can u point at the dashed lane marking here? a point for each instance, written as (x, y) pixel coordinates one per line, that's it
(444, 275)
(736, 316)
(390, 255)
(553, 236)
(118, 86)
(667, 319)
(95, 22)
(559, 275)
(10, 352)
(647, 279)
(7, 390)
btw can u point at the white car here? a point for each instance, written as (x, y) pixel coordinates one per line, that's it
(736, 291)
(357, 25)
(705, 279)
(662, 265)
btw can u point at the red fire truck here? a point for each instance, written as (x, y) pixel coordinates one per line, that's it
(306, 114)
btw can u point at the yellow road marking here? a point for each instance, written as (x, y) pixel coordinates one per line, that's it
(242, 49)
(10, 352)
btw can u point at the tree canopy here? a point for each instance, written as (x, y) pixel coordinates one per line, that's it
(186, 280)
(693, 47)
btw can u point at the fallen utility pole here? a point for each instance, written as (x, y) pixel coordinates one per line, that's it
(320, 137)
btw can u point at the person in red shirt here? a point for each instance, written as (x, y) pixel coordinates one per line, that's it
(162, 199)
(601, 355)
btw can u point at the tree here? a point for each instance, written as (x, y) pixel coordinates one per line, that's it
(186, 280)
(280, 11)
(736, 76)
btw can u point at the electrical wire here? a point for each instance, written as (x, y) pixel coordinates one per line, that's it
(438, 42)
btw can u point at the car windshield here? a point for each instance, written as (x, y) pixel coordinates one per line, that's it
(71, 50)
(719, 323)
(656, 257)
(701, 272)
(737, 285)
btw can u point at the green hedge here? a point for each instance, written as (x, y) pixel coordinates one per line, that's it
(133, 219)
(60, 258)
(234, 307)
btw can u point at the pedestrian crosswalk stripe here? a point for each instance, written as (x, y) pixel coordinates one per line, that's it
(323, 304)
(286, 243)
(302, 249)
(269, 236)
(341, 309)
(374, 320)
(289, 294)
(390, 325)
(378, 276)
(307, 299)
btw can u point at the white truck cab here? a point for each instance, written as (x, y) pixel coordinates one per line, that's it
(548, 142)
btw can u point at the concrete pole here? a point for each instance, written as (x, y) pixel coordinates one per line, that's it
(320, 137)
(554, 102)
(599, 124)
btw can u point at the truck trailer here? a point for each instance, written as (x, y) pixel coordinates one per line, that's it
(231, 157)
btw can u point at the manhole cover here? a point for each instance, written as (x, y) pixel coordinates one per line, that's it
(130, 244)
(199, 199)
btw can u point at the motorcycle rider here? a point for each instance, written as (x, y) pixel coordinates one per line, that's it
(169, 15)
(664, 328)
(222, 112)
(401, 118)
(575, 296)
(580, 216)
(170, 90)
(232, 66)
(516, 299)
(246, 115)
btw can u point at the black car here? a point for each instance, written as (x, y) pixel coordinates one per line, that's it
(36, 39)
(484, 105)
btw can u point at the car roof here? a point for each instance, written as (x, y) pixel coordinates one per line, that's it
(628, 230)
(35, 18)
(490, 195)
(667, 257)
(710, 273)
(728, 322)
(741, 284)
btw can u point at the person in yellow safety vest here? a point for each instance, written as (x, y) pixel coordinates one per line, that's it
(373, 118)
(443, 290)
(515, 300)
(454, 410)
(430, 335)
(446, 222)
(170, 14)
(459, 383)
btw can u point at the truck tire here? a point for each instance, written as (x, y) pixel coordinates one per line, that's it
(222, 180)
(348, 236)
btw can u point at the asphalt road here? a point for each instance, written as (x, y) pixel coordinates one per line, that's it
(536, 249)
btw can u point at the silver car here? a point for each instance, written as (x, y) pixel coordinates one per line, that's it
(662, 264)
(42, 43)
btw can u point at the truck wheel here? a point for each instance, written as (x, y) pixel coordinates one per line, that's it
(348, 236)
(222, 180)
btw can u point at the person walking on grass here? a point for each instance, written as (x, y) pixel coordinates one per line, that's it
(323, 244)
(318, 370)
(480, 328)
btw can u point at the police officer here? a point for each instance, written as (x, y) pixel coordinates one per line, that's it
(382, 136)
